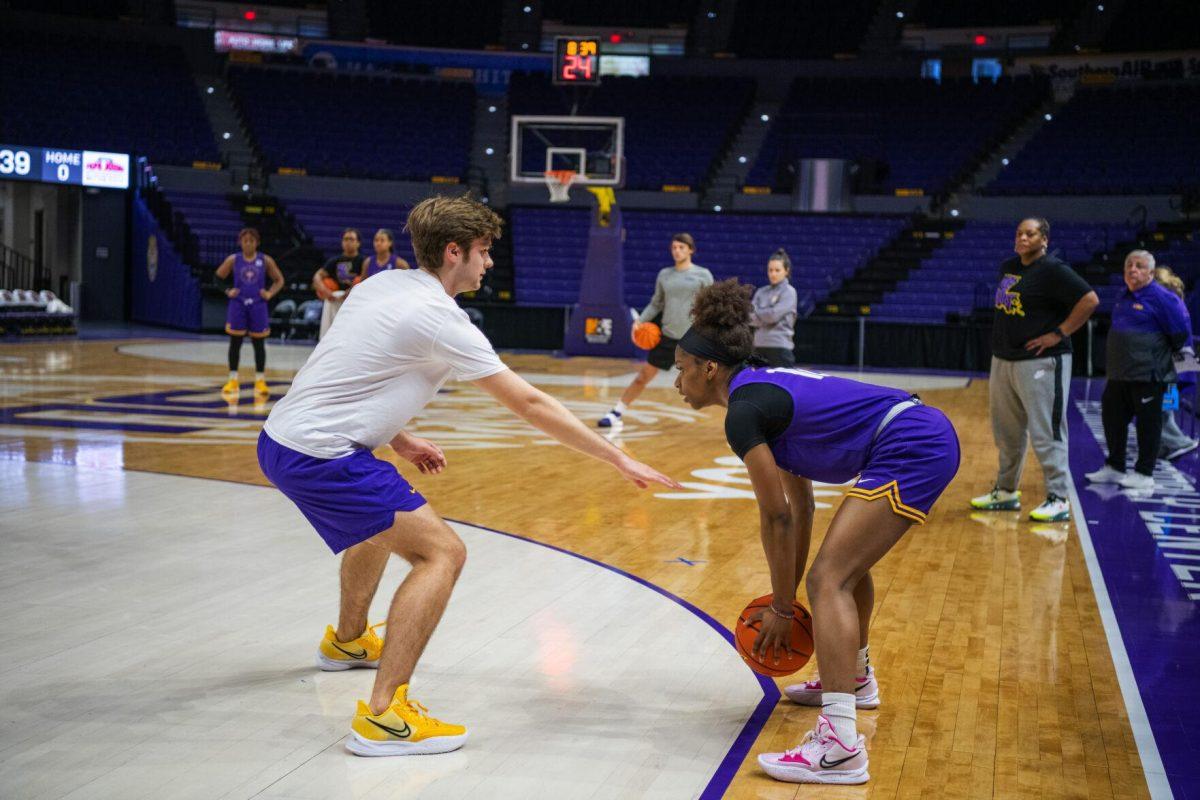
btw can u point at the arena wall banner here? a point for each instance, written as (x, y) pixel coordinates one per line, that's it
(490, 70)
(163, 288)
(1105, 68)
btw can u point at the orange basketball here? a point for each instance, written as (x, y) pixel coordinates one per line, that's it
(331, 284)
(745, 632)
(647, 336)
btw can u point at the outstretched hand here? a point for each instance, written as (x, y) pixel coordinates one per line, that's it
(643, 475)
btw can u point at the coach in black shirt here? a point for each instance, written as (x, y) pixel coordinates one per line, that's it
(1040, 302)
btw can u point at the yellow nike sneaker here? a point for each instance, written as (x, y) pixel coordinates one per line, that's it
(404, 729)
(333, 656)
(231, 387)
(261, 389)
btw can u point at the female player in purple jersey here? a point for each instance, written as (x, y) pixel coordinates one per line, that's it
(247, 312)
(383, 259)
(790, 427)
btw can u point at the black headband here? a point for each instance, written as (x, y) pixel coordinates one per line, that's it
(701, 346)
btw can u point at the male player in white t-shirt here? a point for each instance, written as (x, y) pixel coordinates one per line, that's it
(382, 361)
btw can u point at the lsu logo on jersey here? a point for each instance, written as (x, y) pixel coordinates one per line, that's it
(1007, 300)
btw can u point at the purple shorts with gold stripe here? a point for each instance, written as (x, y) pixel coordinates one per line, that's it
(911, 462)
(348, 499)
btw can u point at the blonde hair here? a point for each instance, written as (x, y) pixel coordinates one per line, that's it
(439, 221)
(1167, 277)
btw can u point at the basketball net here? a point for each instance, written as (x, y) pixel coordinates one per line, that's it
(559, 182)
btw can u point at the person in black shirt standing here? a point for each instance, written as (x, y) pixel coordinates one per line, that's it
(343, 269)
(1040, 302)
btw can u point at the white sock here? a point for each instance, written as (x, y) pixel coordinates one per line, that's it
(620, 407)
(233, 375)
(838, 708)
(258, 376)
(864, 661)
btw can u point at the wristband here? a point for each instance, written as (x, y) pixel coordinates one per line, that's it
(781, 615)
(1059, 331)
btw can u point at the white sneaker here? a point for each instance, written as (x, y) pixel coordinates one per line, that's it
(1052, 509)
(1182, 451)
(866, 691)
(1105, 474)
(611, 420)
(1138, 481)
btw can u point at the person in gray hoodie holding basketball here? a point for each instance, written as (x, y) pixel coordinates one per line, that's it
(774, 316)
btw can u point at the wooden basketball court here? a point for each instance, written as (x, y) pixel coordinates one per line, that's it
(995, 670)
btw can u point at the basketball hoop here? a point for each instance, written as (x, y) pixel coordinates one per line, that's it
(559, 181)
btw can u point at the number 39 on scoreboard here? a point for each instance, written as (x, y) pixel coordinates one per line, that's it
(577, 60)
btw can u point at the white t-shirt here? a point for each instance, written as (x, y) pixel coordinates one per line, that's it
(396, 340)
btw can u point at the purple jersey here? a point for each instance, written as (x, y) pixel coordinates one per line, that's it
(372, 265)
(249, 276)
(834, 421)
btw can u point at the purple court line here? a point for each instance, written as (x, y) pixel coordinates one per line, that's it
(740, 748)
(750, 731)
(1135, 593)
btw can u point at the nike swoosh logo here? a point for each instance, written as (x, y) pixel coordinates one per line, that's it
(406, 731)
(1147, 399)
(831, 764)
(361, 655)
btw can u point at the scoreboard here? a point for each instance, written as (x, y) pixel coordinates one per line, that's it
(71, 167)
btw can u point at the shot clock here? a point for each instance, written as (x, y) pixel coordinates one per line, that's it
(577, 61)
(71, 167)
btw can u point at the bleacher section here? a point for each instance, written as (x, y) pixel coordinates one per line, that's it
(904, 133)
(989, 13)
(635, 13)
(64, 91)
(356, 125)
(549, 246)
(961, 275)
(675, 128)
(323, 221)
(1167, 25)
(1137, 139)
(799, 29)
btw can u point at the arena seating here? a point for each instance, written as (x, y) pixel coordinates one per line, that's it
(1128, 139)
(989, 13)
(1167, 25)
(207, 214)
(549, 246)
(636, 13)
(961, 275)
(356, 125)
(323, 221)
(675, 128)
(65, 91)
(922, 135)
(800, 29)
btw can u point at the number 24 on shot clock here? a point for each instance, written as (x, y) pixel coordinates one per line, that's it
(577, 60)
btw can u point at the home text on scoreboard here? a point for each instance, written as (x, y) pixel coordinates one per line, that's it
(70, 167)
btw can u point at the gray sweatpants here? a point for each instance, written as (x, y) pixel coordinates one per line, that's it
(1173, 437)
(1029, 402)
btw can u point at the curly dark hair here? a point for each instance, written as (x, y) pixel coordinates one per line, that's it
(722, 312)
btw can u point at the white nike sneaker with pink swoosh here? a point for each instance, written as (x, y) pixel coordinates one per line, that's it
(820, 758)
(866, 692)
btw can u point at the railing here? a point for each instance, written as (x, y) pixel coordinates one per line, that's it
(18, 271)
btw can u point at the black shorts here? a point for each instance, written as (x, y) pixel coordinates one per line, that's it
(663, 354)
